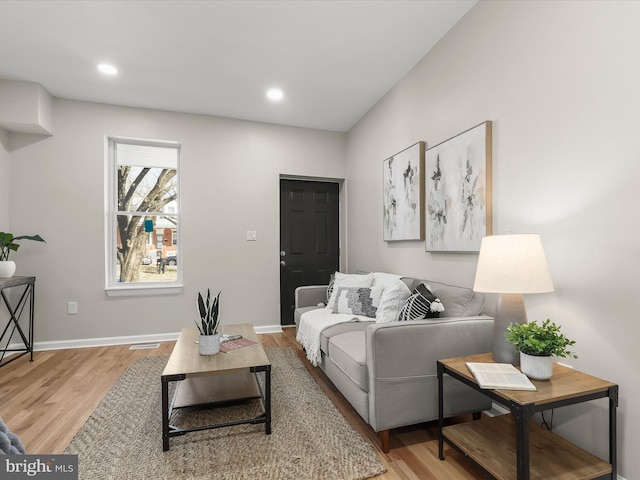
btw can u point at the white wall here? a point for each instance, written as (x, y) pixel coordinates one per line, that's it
(4, 180)
(229, 182)
(560, 83)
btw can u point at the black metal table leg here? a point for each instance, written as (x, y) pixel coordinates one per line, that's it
(165, 414)
(31, 310)
(440, 410)
(522, 417)
(267, 400)
(15, 311)
(613, 446)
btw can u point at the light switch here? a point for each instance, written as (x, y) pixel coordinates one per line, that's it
(72, 308)
(251, 236)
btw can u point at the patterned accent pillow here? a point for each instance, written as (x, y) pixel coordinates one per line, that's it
(357, 301)
(421, 304)
(332, 281)
(348, 280)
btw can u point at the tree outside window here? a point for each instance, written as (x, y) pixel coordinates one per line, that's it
(144, 203)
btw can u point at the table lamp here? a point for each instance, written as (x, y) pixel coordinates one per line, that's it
(511, 265)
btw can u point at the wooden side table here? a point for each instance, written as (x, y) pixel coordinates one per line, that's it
(26, 300)
(501, 445)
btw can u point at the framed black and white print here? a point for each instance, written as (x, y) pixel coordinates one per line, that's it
(403, 195)
(458, 191)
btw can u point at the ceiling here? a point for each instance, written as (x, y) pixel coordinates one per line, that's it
(333, 59)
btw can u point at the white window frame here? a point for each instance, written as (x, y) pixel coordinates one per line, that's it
(112, 287)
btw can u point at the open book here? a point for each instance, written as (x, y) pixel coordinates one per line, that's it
(500, 376)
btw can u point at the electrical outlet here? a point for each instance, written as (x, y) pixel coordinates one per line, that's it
(72, 308)
(251, 236)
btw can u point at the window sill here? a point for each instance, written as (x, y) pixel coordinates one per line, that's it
(143, 290)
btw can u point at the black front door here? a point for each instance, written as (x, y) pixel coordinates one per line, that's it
(309, 238)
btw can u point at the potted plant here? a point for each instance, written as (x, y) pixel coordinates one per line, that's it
(209, 341)
(7, 245)
(538, 345)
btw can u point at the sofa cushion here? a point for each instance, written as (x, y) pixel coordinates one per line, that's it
(357, 301)
(348, 352)
(348, 280)
(340, 328)
(421, 304)
(457, 301)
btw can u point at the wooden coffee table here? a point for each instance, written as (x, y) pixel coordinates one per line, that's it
(215, 379)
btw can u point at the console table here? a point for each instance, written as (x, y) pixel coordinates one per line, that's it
(501, 445)
(26, 299)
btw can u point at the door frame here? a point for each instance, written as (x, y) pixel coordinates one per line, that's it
(342, 237)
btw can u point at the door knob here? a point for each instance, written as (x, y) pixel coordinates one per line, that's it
(283, 263)
(282, 253)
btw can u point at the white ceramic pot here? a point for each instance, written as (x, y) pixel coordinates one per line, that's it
(7, 268)
(537, 368)
(209, 344)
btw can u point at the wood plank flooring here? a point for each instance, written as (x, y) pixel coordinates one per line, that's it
(46, 402)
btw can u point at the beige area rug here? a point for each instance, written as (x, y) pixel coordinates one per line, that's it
(310, 438)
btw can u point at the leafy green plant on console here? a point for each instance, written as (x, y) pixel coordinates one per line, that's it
(8, 243)
(540, 340)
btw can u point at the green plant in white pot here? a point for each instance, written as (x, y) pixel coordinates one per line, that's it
(538, 345)
(209, 310)
(7, 245)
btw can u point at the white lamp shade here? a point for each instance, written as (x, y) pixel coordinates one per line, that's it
(512, 264)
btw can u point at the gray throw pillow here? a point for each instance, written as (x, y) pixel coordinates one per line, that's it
(332, 280)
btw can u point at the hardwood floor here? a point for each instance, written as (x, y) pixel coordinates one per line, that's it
(46, 402)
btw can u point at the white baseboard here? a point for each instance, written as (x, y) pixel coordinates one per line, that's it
(126, 340)
(104, 341)
(268, 329)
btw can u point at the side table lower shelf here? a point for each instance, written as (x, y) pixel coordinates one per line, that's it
(490, 442)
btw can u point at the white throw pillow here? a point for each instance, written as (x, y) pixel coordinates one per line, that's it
(395, 292)
(348, 280)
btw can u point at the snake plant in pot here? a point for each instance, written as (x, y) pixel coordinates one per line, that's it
(7, 245)
(538, 345)
(209, 310)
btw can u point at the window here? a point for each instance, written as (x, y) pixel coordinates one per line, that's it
(143, 214)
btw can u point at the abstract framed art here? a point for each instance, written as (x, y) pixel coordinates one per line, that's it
(403, 195)
(458, 191)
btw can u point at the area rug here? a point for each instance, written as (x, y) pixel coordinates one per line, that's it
(310, 438)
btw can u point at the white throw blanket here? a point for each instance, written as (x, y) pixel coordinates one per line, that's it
(312, 324)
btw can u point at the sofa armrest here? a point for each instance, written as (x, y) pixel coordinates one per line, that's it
(310, 295)
(402, 371)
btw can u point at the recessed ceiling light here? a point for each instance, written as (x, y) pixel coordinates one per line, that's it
(107, 69)
(275, 94)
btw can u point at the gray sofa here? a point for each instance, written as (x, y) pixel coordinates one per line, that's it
(387, 371)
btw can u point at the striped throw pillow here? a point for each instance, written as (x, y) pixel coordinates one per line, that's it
(421, 304)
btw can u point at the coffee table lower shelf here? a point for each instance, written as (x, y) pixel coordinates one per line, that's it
(491, 444)
(216, 390)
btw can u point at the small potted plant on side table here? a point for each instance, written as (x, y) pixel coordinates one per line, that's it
(209, 340)
(538, 345)
(7, 245)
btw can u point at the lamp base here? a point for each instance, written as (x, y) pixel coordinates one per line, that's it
(509, 309)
